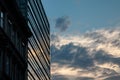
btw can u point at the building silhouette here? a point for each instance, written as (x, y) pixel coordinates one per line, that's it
(24, 41)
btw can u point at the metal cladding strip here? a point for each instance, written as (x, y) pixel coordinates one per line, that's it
(43, 12)
(37, 62)
(34, 47)
(39, 48)
(36, 32)
(42, 19)
(33, 58)
(39, 43)
(39, 18)
(37, 39)
(40, 10)
(36, 68)
(35, 43)
(42, 61)
(37, 55)
(40, 34)
(35, 17)
(31, 74)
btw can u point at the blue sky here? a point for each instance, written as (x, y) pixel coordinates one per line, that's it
(85, 15)
(85, 39)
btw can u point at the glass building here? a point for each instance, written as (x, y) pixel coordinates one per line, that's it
(24, 41)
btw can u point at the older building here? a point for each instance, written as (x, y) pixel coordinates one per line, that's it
(24, 41)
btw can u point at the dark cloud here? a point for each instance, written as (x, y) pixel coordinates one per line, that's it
(62, 23)
(113, 78)
(99, 38)
(116, 42)
(54, 38)
(94, 35)
(102, 57)
(79, 57)
(64, 55)
(84, 78)
(59, 77)
(102, 72)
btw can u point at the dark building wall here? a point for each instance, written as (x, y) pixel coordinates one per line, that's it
(14, 33)
(17, 24)
(39, 49)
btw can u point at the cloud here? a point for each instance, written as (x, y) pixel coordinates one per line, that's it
(96, 54)
(60, 77)
(113, 78)
(67, 54)
(62, 23)
(54, 38)
(84, 78)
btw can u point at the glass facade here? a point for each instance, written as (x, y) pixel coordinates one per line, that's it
(14, 34)
(24, 41)
(22, 4)
(39, 49)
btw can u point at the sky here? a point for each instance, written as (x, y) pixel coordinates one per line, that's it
(84, 15)
(85, 39)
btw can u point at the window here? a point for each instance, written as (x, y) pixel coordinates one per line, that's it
(20, 47)
(13, 71)
(0, 59)
(19, 75)
(7, 64)
(23, 49)
(1, 19)
(13, 35)
(18, 42)
(10, 27)
(22, 4)
(11, 66)
(16, 72)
